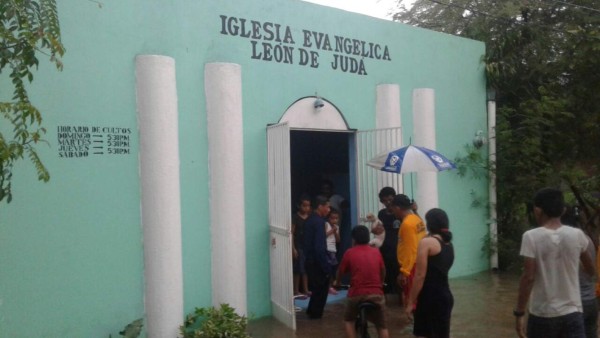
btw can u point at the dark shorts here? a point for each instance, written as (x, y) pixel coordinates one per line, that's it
(376, 316)
(331, 258)
(299, 264)
(570, 326)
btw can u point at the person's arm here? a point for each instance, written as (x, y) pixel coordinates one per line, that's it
(406, 246)
(525, 286)
(420, 271)
(382, 269)
(588, 264)
(341, 271)
(331, 229)
(337, 233)
(321, 249)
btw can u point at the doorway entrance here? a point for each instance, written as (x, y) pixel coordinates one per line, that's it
(317, 157)
(313, 142)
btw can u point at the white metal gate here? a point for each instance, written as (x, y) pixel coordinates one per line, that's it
(370, 143)
(280, 219)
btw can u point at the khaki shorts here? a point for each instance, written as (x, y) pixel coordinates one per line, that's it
(376, 316)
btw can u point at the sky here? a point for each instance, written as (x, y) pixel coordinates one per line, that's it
(376, 8)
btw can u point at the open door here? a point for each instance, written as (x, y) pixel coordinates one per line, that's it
(369, 181)
(280, 224)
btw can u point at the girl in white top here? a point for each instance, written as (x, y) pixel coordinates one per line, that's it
(333, 238)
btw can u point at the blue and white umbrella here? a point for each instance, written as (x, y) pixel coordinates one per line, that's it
(411, 159)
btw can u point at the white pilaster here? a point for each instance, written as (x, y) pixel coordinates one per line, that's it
(223, 90)
(387, 115)
(492, 183)
(424, 135)
(160, 205)
(387, 106)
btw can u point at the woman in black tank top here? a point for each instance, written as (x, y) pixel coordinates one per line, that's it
(430, 290)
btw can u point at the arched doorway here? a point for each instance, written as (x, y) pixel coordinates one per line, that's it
(312, 142)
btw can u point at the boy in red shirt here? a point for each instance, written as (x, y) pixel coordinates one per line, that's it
(367, 273)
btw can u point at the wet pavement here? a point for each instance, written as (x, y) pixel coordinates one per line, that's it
(483, 306)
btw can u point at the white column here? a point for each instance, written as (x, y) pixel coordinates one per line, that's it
(492, 183)
(424, 135)
(159, 175)
(387, 106)
(223, 89)
(387, 115)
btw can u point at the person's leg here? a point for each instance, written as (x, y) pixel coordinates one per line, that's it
(312, 279)
(378, 315)
(333, 262)
(350, 314)
(391, 274)
(319, 285)
(590, 318)
(573, 325)
(304, 278)
(349, 327)
(302, 272)
(319, 296)
(440, 315)
(296, 284)
(408, 285)
(383, 333)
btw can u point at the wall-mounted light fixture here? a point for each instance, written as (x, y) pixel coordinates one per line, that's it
(479, 139)
(319, 103)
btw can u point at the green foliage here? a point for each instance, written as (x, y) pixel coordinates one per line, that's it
(542, 61)
(133, 329)
(473, 164)
(215, 323)
(27, 28)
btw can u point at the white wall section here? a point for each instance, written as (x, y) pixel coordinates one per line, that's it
(160, 204)
(223, 90)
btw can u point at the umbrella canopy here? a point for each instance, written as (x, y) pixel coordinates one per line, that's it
(411, 159)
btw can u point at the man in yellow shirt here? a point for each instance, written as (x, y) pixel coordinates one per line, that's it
(412, 230)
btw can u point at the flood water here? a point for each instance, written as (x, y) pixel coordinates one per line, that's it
(483, 305)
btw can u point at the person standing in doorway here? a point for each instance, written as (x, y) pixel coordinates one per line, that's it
(298, 219)
(552, 253)
(336, 201)
(332, 234)
(317, 265)
(390, 242)
(412, 230)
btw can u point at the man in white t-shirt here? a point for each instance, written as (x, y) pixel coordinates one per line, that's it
(552, 253)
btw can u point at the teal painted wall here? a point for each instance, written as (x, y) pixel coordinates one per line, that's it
(71, 250)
